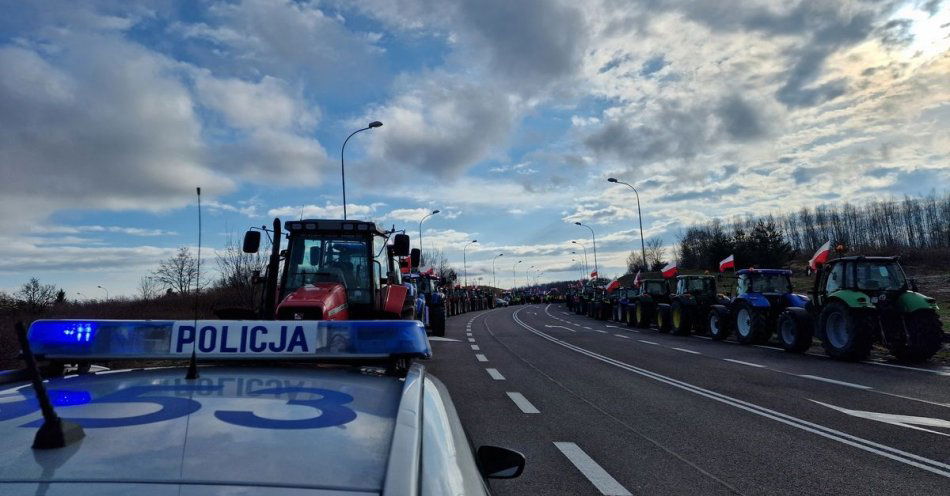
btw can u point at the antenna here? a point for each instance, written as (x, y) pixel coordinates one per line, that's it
(192, 373)
(55, 432)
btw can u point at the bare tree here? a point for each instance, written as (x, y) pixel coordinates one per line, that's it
(656, 254)
(236, 268)
(37, 297)
(149, 287)
(180, 272)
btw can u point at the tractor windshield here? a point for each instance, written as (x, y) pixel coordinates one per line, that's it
(654, 288)
(770, 283)
(877, 276)
(316, 258)
(697, 285)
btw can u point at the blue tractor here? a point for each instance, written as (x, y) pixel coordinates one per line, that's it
(761, 295)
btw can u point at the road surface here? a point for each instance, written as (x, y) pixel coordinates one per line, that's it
(601, 408)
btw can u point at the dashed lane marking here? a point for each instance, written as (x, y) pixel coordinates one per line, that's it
(480, 357)
(590, 469)
(475, 347)
(522, 402)
(684, 350)
(471, 340)
(495, 374)
(622, 336)
(649, 342)
(740, 362)
(832, 381)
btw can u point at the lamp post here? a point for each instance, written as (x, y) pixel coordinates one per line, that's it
(594, 239)
(527, 280)
(494, 282)
(106, 290)
(586, 265)
(420, 234)
(643, 249)
(465, 261)
(514, 275)
(371, 125)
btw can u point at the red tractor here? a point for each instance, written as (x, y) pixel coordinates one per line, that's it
(333, 270)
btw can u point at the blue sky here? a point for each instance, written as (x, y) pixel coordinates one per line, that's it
(506, 116)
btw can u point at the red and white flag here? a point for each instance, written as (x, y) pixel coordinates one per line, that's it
(613, 286)
(593, 275)
(727, 263)
(821, 256)
(670, 270)
(637, 281)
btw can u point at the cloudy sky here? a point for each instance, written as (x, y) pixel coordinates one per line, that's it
(506, 115)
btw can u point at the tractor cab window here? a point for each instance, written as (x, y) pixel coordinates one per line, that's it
(694, 285)
(742, 285)
(655, 288)
(878, 276)
(835, 279)
(770, 283)
(315, 259)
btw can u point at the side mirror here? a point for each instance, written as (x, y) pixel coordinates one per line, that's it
(495, 462)
(401, 245)
(415, 255)
(252, 241)
(314, 256)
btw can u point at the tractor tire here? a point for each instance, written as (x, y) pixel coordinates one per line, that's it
(643, 316)
(923, 336)
(681, 321)
(437, 320)
(663, 322)
(752, 326)
(848, 335)
(719, 327)
(796, 329)
(631, 315)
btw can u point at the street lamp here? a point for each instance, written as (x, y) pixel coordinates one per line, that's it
(371, 125)
(420, 234)
(643, 249)
(494, 282)
(106, 290)
(465, 261)
(586, 265)
(594, 239)
(514, 275)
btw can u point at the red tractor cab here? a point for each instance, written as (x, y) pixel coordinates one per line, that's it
(333, 270)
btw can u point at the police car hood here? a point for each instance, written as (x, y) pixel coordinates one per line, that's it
(232, 430)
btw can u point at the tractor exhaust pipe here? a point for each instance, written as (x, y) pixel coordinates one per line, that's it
(269, 303)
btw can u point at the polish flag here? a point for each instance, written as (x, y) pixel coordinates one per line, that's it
(670, 270)
(821, 256)
(430, 272)
(637, 281)
(727, 263)
(593, 275)
(613, 286)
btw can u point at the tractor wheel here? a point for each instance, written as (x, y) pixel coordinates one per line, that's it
(719, 328)
(680, 319)
(437, 320)
(751, 326)
(795, 330)
(644, 315)
(631, 315)
(922, 335)
(848, 335)
(663, 322)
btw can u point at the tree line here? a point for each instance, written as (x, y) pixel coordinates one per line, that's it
(914, 228)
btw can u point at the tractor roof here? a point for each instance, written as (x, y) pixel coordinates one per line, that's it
(333, 226)
(696, 276)
(861, 258)
(778, 272)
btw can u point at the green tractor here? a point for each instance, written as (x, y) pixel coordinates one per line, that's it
(642, 309)
(689, 305)
(857, 301)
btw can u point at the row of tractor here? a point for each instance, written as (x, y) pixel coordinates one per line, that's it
(854, 303)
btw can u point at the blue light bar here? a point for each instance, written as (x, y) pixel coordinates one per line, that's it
(229, 339)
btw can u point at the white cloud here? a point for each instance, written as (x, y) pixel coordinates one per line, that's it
(327, 211)
(131, 231)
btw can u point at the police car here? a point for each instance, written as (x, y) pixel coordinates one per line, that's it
(266, 414)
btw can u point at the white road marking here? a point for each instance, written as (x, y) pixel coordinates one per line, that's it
(775, 348)
(522, 402)
(943, 372)
(471, 340)
(909, 421)
(703, 337)
(561, 327)
(832, 381)
(439, 338)
(615, 327)
(480, 357)
(740, 362)
(907, 458)
(684, 350)
(600, 331)
(475, 347)
(495, 374)
(585, 327)
(622, 336)
(590, 469)
(649, 342)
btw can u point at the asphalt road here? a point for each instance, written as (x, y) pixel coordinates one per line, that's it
(600, 408)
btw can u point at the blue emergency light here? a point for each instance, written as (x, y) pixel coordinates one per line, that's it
(229, 339)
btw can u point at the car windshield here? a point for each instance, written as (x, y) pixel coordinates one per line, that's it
(879, 276)
(770, 283)
(331, 258)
